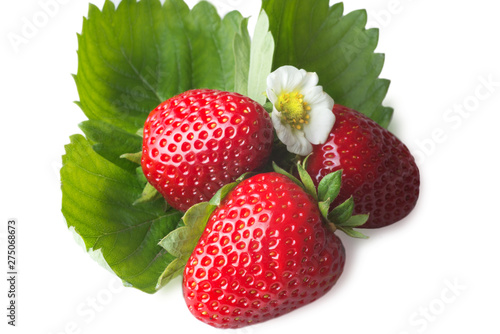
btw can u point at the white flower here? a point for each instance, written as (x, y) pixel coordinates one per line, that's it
(302, 113)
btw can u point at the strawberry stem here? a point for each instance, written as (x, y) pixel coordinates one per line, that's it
(134, 157)
(332, 227)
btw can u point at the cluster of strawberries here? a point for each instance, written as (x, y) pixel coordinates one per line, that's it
(269, 246)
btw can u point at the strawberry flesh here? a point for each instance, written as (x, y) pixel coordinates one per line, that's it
(198, 141)
(265, 252)
(378, 169)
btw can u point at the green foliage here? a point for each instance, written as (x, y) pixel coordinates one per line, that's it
(133, 56)
(130, 59)
(318, 38)
(97, 203)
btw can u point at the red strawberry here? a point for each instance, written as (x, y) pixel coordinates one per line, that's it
(266, 250)
(198, 141)
(378, 169)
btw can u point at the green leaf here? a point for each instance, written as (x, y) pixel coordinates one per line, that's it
(133, 57)
(261, 59)
(268, 106)
(352, 233)
(242, 48)
(323, 208)
(355, 221)
(342, 212)
(318, 38)
(280, 170)
(254, 60)
(140, 176)
(97, 203)
(307, 181)
(329, 187)
(149, 193)
(111, 142)
(175, 268)
(222, 193)
(183, 240)
(133, 157)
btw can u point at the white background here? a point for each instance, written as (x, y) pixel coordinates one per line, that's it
(435, 272)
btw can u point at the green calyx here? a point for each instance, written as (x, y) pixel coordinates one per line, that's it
(338, 218)
(182, 241)
(149, 193)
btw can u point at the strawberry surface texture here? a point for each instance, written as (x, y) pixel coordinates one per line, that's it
(378, 169)
(200, 140)
(265, 251)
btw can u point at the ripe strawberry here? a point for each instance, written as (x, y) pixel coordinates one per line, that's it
(266, 250)
(198, 141)
(378, 169)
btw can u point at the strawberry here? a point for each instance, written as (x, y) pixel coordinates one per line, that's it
(378, 169)
(200, 140)
(266, 249)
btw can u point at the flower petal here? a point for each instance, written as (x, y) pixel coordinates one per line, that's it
(301, 145)
(320, 125)
(289, 79)
(283, 131)
(309, 81)
(316, 97)
(294, 140)
(285, 79)
(271, 95)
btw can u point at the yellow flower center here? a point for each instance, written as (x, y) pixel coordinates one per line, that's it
(294, 110)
